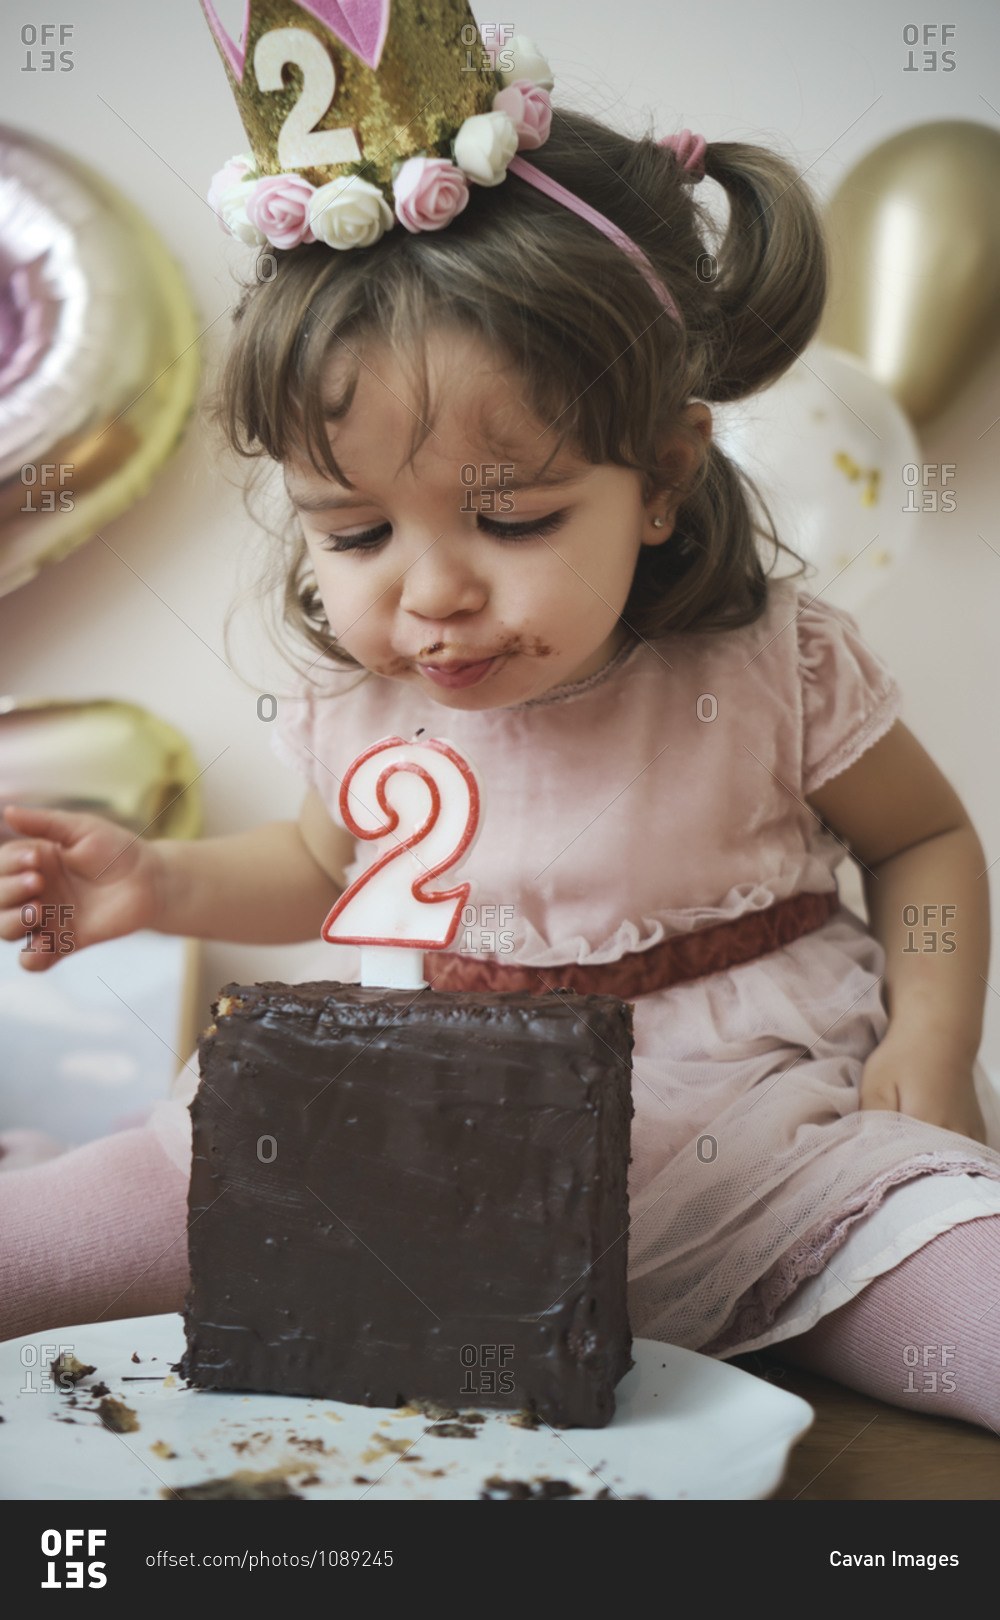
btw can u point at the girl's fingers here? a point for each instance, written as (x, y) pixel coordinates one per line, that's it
(11, 925)
(61, 826)
(36, 961)
(15, 891)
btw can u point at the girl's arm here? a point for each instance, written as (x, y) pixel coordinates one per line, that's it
(272, 885)
(79, 879)
(924, 875)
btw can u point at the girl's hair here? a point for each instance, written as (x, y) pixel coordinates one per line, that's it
(596, 354)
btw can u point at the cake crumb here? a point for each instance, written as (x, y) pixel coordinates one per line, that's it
(225, 1005)
(161, 1449)
(453, 1431)
(118, 1417)
(521, 1490)
(382, 1445)
(524, 1419)
(169, 1382)
(66, 1370)
(232, 1488)
(424, 1407)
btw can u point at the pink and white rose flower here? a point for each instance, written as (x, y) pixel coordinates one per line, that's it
(429, 192)
(233, 214)
(239, 168)
(279, 206)
(349, 213)
(529, 63)
(485, 145)
(530, 107)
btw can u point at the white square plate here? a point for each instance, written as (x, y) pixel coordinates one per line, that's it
(685, 1426)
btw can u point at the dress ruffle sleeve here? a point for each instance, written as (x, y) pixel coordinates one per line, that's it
(293, 737)
(850, 697)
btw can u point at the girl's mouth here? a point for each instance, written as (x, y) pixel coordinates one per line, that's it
(455, 675)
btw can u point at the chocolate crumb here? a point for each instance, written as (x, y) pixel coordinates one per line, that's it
(118, 1417)
(516, 1490)
(135, 1355)
(453, 1431)
(473, 1417)
(524, 1419)
(311, 1479)
(555, 1487)
(519, 1490)
(66, 1370)
(232, 1489)
(433, 1409)
(97, 1390)
(359, 1479)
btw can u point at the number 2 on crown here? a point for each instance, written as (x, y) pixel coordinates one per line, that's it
(300, 144)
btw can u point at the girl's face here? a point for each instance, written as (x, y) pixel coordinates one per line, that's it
(464, 575)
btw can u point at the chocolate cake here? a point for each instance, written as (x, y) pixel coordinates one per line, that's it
(401, 1197)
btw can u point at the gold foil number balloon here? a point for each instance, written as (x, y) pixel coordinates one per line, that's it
(98, 354)
(103, 757)
(915, 248)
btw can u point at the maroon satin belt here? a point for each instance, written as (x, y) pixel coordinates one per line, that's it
(675, 960)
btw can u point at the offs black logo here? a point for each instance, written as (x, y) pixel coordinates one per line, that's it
(70, 1556)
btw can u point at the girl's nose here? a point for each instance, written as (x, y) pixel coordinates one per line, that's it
(441, 582)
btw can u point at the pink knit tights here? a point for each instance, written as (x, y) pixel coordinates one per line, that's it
(95, 1234)
(100, 1233)
(925, 1335)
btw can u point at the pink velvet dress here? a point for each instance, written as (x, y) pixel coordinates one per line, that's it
(663, 794)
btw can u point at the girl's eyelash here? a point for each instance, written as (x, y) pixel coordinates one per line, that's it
(509, 533)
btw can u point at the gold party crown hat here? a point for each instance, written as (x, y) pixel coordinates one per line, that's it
(391, 108)
(377, 81)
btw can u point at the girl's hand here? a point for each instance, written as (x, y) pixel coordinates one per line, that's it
(84, 878)
(920, 1074)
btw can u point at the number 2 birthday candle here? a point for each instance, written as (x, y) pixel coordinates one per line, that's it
(424, 802)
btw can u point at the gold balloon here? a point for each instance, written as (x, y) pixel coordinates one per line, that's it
(99, 357)
(104, 757)
(915, 261)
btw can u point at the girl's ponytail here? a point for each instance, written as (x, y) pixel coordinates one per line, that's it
(772, 270)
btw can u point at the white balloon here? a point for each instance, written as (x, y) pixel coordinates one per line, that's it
(837, 462)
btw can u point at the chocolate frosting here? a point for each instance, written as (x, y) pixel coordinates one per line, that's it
(401, 1195)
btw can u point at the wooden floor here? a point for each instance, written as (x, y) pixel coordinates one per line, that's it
(863, 1450)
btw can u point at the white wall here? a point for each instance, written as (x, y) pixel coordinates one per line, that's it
(147, 104)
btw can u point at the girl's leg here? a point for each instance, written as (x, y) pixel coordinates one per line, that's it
(925, 1335)
(97, 1233)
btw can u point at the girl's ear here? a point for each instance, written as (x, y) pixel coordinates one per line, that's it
(681, 456)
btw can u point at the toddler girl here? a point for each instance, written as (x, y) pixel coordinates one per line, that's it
(512, 527)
